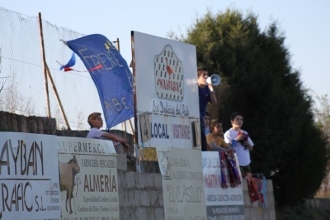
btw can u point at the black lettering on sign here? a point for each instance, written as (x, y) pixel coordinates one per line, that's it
(22, 157)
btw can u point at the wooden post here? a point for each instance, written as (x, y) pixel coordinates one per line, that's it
(58, 98)
(123, 124)
(44, 66)
(139, 164)
(118, 46)
(46, 75)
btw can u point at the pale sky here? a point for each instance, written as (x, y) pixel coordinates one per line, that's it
(304, 23)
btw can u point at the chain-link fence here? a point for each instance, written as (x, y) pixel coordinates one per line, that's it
(22, 80)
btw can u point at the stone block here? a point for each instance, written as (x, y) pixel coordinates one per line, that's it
(154, 197)
(23, 124)
(270, 186)
(40, 125)
(272, 214)
(121, 198)
(151, 214)
(246, 213)
(130, 180)
(253, 214)
(271, 200)
(130, 198)
(14, 124)
(121, 162)
(161, 198)
(245, 185)
(141, 213)
(140, 181)
(137, 198)
(255, 204)
(160, 214)
(158, 182)
(247, 200)
(149, 181)
(265, 214)
(145, 198)
(32, 124)
(121, 181)
(123, 213)
(129, 213)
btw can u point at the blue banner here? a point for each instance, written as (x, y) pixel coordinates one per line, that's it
(111, 76)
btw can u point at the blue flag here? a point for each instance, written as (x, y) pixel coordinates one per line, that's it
(110, 74)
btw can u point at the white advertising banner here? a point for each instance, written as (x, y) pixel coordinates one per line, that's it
(221, 203)
(166, 85)
(183, 184)
(162, 130)
(29, 177)
(88, 179)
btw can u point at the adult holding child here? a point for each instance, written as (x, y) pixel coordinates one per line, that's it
(241, 143)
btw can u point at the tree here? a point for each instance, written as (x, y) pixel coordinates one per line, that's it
(258, 81)
(13, 101)
(322, 118)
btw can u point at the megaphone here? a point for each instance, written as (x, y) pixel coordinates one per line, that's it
(214, 79)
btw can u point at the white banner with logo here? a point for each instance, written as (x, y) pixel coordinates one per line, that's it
(221, 203)
(88, 179)
(166, 85)
(29, 177)
(183, 185)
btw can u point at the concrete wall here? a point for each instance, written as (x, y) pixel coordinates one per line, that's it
(254, 211)
(140, 194)
(32, 124)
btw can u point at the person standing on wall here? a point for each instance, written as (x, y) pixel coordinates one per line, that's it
(206, 95)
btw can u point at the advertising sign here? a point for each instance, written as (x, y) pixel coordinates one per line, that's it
(183, 184)
(29, 177)
(221, 203)
(88, 179)
(166, 90)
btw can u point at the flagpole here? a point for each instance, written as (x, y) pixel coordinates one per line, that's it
(46, 75)
(138, 163)
(58, 98)
(123, 124)
(44, 66)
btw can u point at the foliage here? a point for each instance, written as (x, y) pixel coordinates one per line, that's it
(322, 117)
(258, 81)
(11, 100)
(301, 212)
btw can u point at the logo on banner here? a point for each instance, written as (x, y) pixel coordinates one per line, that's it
(168, 75)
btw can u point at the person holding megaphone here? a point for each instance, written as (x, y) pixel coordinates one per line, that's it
(206, 95)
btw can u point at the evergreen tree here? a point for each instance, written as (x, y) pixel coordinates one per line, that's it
(258, 81)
